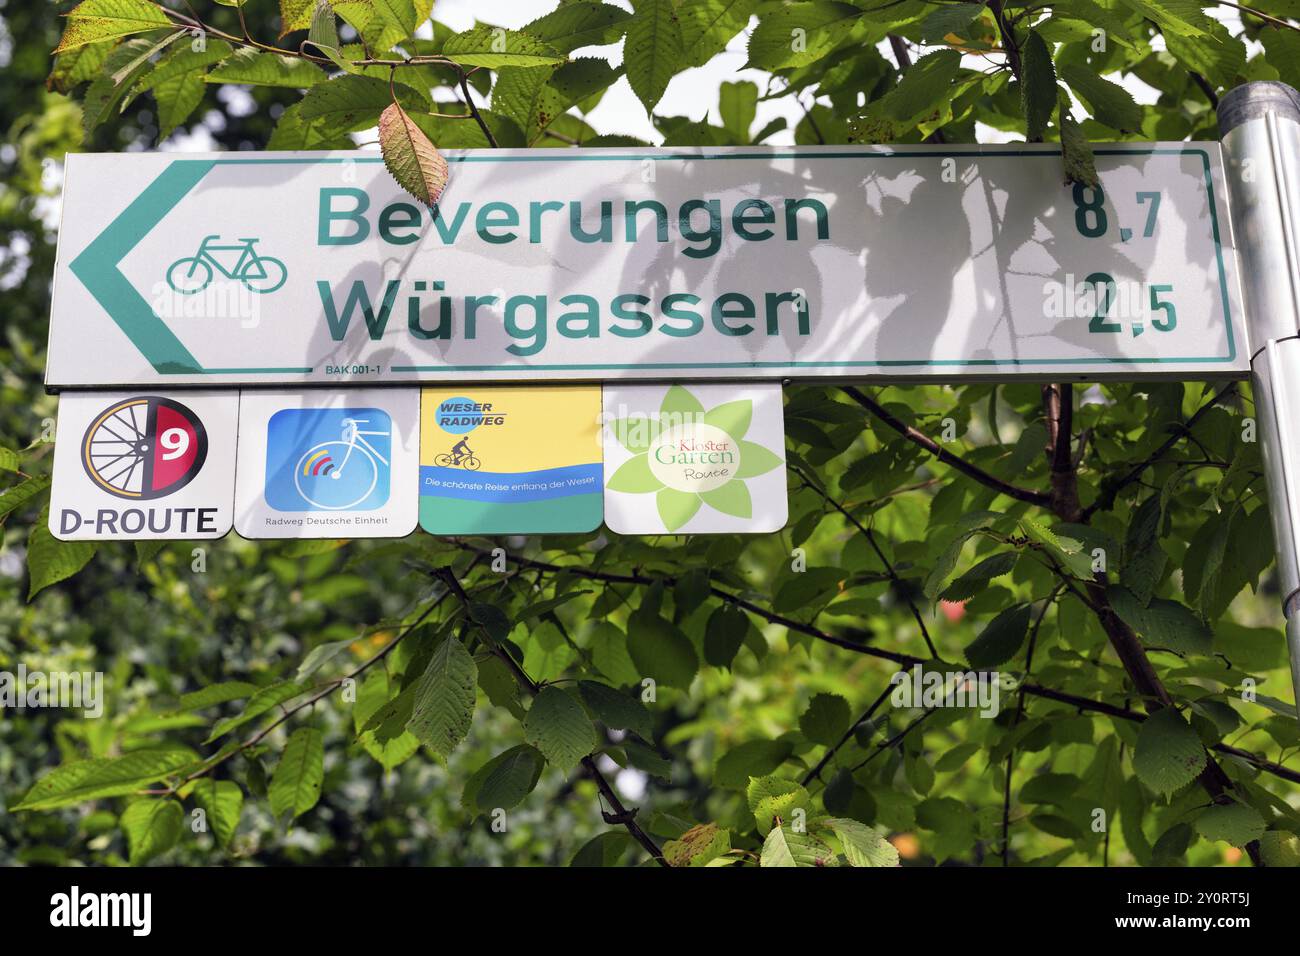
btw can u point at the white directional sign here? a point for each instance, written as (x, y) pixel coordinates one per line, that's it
(139, 465)
(675, 264)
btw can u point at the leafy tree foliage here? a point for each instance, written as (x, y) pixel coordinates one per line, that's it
(461, 700)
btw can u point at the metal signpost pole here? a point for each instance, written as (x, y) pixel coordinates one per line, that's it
(1260, 125)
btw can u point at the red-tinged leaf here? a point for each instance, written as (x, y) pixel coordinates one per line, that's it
(413, 160)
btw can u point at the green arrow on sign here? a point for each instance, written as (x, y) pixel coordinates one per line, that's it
(97, 268)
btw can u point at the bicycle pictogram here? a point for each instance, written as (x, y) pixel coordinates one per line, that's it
(257, 272)
(322, 475)
(459, 459)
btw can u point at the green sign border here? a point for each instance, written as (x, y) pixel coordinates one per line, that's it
(97, 265)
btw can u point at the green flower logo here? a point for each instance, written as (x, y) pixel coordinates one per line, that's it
(688, 457)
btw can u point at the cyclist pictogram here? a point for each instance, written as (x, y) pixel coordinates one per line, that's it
(459, 457)
(144, 448)
(257, 272)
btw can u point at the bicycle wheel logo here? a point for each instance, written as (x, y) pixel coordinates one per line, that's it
(237, 260)
(334, 459)
(144, 448)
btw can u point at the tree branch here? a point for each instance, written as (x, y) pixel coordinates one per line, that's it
(469, 102)
(1110, 490)
(816, 772)
(1082, 704)
(1058, 408)
(618, 812)
(328, 689)
(1008, 39)
(947, 457)
(875, 546)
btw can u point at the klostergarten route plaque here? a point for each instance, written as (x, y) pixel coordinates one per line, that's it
(279, 268)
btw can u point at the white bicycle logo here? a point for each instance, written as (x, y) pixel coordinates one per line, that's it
(337, 475)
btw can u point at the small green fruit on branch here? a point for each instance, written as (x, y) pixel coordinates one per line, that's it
(413, 160)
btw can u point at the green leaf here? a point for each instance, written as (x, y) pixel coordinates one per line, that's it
(319, 656)
(617, 710)
(296, 784)
(223, 802)
(812, 586)
(265, 699)
(1109, 102)
(83, 780)
(575, 25)
(723, 635)
(754, 758)
(956, 17)
(677, 507)
(151, 827)
(177, 98)
(444, 698)
(1001, 639)
(146, 551)
(526, 96)
(1144, 559)
(107, 94)
(394, 21)
(1080, 164)
(1169, 754)
(652, 52)
(1164, 624)
(660, 650)
(388, 742)
(50, 560)
(773, 800)
(698, 846)
(494, 48)
(558, 726)
(1109, 19)
(78, 65)
(1232, 823)
(214, 694)
(707, 26)
(14, 498)
(259, 68)
(927, 82)
(800, 34)
(1283, 47)
(1064, 551)
(863, 845)
(414, 162)
(1038, 86)
(349, 104)
(826, 719)
(604, 849)
(1219, 57)
(731, 499)
(93, 20)
(737, 105)
(503, 781)
(784, 847)
(1280, 848)
(295, 15)
(1180, 17)
(182, 60)
(977, 578)
(956, 757)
